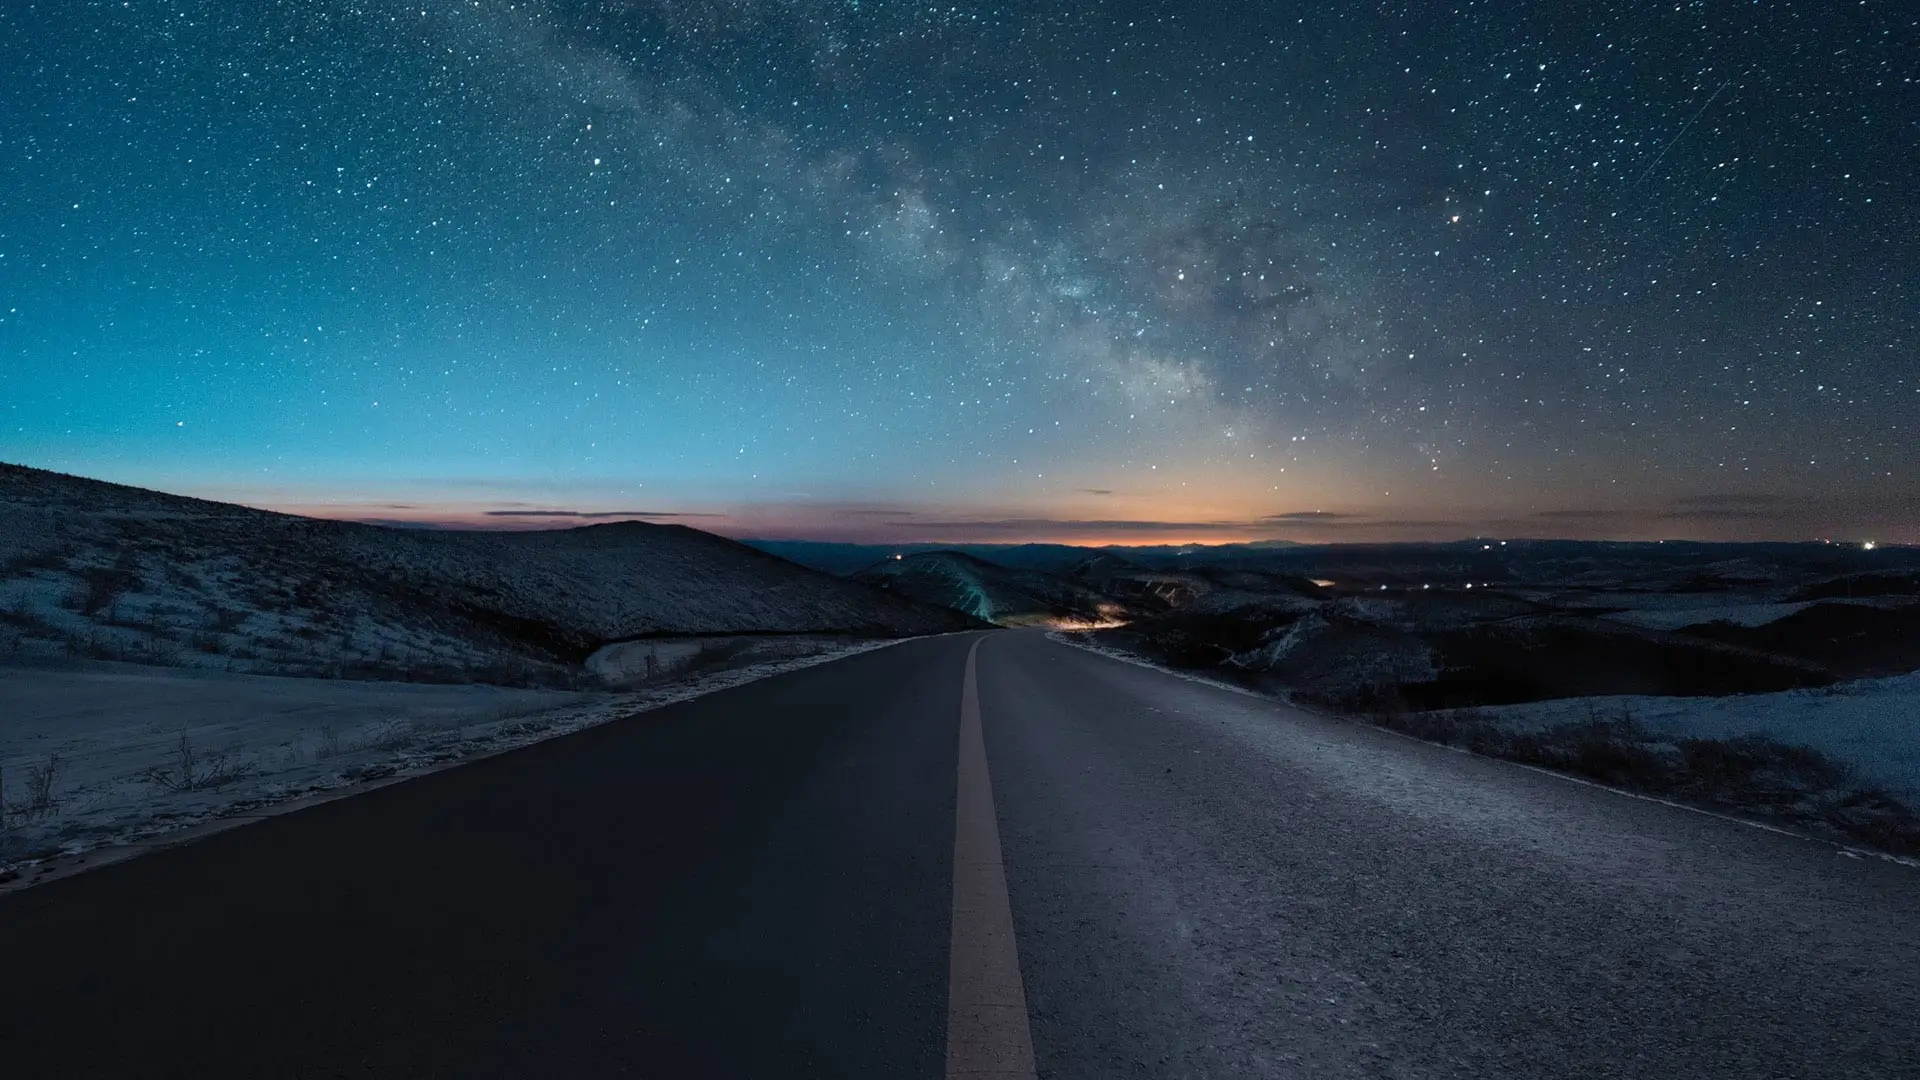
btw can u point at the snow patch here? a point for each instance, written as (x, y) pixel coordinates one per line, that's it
(1870, 725)
(131, 752)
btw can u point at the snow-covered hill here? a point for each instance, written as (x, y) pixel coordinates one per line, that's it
(110, 572)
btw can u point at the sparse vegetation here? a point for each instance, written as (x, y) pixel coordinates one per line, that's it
(27, 563)
(393, 735)
(197, 770)
(1595, 623)
(97, 571)
(19, 613)
(100, 587)
(42, 799)
(1747, 775)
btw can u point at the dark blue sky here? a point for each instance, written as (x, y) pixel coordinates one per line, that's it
(1033, 270)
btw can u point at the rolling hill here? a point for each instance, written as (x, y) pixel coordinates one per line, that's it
(105, 571)
(991, 592)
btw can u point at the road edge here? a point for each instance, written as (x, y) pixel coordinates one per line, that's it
(47, 871)
(1841, 848)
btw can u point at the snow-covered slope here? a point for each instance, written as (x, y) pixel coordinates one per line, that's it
(1870, 725)
(110, 572)
(101, 754)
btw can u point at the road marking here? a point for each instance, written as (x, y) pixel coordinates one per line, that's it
(987, 1032)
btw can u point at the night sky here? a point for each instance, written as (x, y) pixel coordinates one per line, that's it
(1035, 270)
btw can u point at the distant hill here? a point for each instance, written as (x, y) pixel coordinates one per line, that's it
(989, 591)
(96, 569)
(1673, 564)
(850, 559)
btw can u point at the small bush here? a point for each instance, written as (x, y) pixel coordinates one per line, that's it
(93, 646)
(1749, 774)
(1879, 820)
(195, 770)
(21, 614)
(159, 651)
(1753, 769)
(102, 586)
(26, 564)
(394, 735)
(43, 791)
(1616, 754)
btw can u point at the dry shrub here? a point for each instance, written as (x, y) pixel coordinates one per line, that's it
(197, 770)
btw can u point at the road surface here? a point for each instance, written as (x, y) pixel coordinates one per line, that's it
(800, 877)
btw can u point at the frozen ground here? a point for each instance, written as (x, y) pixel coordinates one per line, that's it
(1870, 725)
(96, 754)
(1745, 753)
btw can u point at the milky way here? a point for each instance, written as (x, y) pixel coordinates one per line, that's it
(1035, 270)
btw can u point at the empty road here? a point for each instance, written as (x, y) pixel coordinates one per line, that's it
(1079, 867)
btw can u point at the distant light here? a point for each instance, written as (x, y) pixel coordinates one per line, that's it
(1426, 586)
(897, 557)
(1469, 584)
(1487, 547)
(1869, 545)
(1383, 588)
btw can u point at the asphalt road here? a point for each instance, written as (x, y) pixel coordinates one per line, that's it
(761, 883)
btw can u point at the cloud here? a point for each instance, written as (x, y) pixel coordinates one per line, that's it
(1094, 491)
(1572, 515)
(1045, 526)
(1731, 498)
(1223, 530)
(404, 523)
(1413, 523)
(1297, 517)
(1730, 506)
(1722, 513)
(1329, 519)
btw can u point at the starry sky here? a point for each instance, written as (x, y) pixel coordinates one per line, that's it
(858, 269)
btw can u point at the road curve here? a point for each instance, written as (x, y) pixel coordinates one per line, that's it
(761, 883)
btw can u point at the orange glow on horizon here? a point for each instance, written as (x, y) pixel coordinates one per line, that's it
(727, 525)
(1116, 523)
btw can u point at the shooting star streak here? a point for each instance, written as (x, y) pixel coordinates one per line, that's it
(1681, 133)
